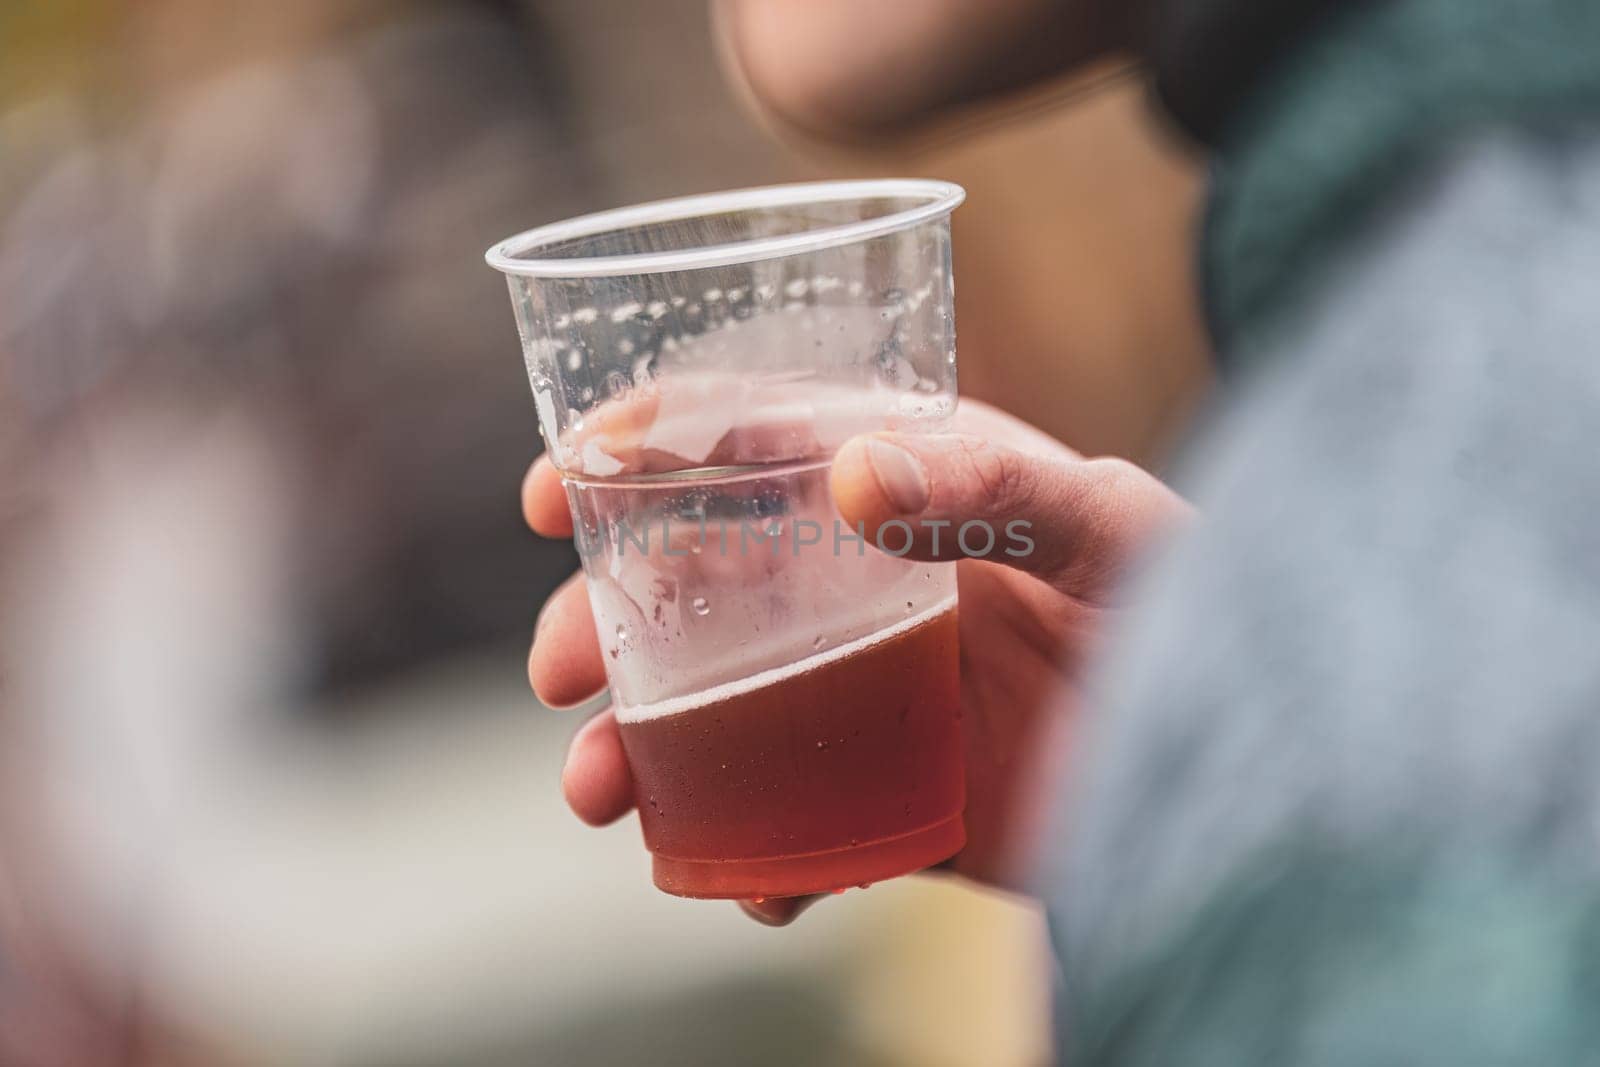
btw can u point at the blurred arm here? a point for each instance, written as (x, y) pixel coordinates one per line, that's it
(1340, 809)
(843, 68)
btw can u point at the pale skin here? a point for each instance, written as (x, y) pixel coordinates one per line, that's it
(844, 70)
(1028, 625)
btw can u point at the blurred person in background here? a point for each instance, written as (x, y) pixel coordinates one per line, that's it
(268, 210)
(1333, 796)
(239, 253)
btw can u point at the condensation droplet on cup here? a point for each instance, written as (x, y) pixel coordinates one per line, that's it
(819, 642)
(701, 605)
(910, 607)
(622, 634)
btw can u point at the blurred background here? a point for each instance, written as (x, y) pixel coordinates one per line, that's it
(272, 787)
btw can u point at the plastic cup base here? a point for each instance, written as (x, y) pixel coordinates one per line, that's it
(818, 872)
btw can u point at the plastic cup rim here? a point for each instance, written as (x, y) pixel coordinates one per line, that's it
(938, 198)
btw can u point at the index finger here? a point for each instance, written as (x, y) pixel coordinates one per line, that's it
(544, 500)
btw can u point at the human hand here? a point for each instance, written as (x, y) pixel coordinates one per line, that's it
(1028, 624)
(841, 69)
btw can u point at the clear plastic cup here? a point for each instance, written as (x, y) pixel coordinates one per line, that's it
(787, 691)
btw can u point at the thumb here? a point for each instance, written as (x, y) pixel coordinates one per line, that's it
(1071, 522)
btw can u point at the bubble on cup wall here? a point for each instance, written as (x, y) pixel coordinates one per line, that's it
(574, 419)
(825, 283)
(765, 292)
(677, 301)
(656, 308)
(711, 296)
(818, 643)
(575, 359)
(926, 385)
(586, 394)
(625, 347)
(622, 636)
(585, 316)
(616, 385)
(796, 289)
(736, 294)
(623, 312)
(700, 606)
(692, 309)
(855, 287)
(562, 322)
(918, 406)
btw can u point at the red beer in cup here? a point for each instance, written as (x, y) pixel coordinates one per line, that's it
(788, 693)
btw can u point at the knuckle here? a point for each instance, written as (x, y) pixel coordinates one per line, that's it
(1117, 476)
(1001, 473)
(1119, 486)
